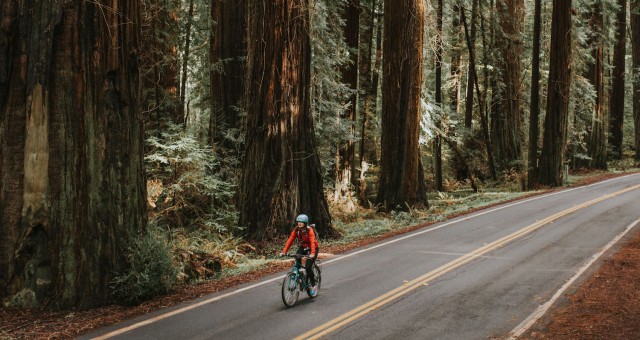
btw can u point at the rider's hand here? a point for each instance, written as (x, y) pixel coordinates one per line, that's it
(281, 254)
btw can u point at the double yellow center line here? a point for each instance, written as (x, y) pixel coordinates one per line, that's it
(414, 284)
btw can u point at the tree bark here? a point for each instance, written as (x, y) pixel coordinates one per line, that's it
(281, 172)
(507, 119)
(402, 83)
(228, 50)
(534, 109)
(72, 191)
(616, 99)
(557, 119)
(635, 51)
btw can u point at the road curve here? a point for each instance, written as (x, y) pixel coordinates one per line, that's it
(475, 277)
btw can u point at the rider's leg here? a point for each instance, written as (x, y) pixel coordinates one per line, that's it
(309, 265)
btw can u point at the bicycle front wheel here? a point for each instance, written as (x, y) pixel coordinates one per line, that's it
(290, 290)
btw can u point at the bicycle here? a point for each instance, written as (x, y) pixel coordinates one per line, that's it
(296, 280)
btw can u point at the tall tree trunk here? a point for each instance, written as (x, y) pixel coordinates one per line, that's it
(635, 51)
(597, 142)
(534, 109)
(437, 143)
(160, 77)
(281, 176)
(468, 117)
(228, 50)
(345, 162)
(72, 188)
(400, 169)
(185, 64)
(507, 120)
(557, 118)
(616, 101)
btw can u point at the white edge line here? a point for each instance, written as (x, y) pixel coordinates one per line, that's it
(468, 217)
(542, 309)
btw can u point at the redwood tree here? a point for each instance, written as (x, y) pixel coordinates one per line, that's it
(227, 53)
(616, 101)
(72, 189)
(401, 180)
(556, 121)
(508, 117)
(281, 173)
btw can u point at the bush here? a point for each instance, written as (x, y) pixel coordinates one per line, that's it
(150, 271)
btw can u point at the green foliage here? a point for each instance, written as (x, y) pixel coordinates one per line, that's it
(149, 273)
(189, 191)
(328, 94)
(203, 255)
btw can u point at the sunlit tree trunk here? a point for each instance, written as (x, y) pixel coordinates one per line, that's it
(556, 121)
(616, 101)
(281, 172)
(72, 188)
(400, 171)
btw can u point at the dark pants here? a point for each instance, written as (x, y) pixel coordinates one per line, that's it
(309, 265)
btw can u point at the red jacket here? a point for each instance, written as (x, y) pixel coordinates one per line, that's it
(306, 238)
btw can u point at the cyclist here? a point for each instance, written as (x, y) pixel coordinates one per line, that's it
(307, 245)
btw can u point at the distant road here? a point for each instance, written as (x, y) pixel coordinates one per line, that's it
(474, 277)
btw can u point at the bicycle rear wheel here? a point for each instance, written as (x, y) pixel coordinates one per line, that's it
(317, 273)
(290, 290)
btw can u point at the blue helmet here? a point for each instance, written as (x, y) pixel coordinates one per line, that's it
(303, 218)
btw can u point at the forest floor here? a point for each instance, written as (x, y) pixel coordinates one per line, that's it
(606, 305)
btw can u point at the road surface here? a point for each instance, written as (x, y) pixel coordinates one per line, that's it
(478, 276)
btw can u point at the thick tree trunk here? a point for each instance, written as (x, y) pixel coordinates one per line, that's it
(281, 176)
(402, 82)
(616, 101)
(597, 142)
(507, 120)
(345, 163)
(635, 50)
(72, 191)
(557, 118)
(160, 76)
(534, 109)
(227, 52)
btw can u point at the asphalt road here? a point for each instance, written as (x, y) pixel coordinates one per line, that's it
(475, 277)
